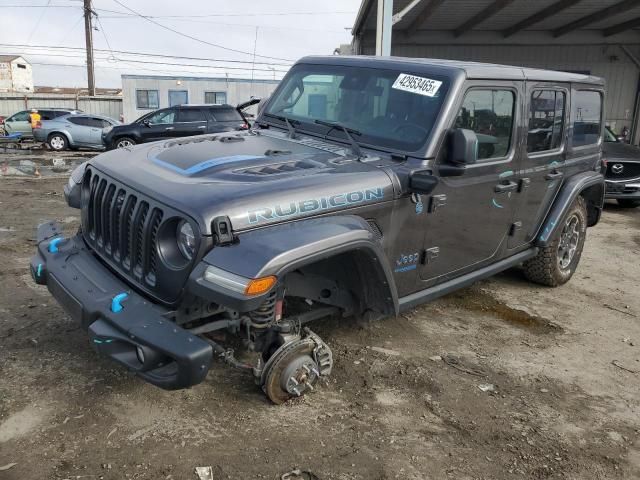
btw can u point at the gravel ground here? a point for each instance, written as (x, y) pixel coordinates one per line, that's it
(501, 380)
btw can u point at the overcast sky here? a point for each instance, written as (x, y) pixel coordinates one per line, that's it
(286, 30)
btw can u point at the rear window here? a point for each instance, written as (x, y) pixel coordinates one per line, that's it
(226, 115)
(586, 112)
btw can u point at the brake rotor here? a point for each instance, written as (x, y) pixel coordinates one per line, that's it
(291, 372)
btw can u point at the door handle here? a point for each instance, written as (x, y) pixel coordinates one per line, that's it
(169, 128)
(203, 126)
(553, 175)
(506, 187)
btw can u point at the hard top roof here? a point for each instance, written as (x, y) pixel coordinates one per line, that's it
(472, 70)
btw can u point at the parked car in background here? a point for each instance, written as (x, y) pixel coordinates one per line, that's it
(21, 123)
(177, 121)
(622, 175)
(74, 131)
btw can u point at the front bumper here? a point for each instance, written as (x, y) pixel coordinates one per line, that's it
(122, 324)
(620, 190)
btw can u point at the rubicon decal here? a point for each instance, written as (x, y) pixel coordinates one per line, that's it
(302, 207)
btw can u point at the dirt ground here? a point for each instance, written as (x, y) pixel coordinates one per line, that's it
(407, 400)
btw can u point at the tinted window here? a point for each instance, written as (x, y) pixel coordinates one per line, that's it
(546, 120)
(219, 98)
(226, 115)
(586, 113)
(96, 122)
(489, 113)
(147, 99)
(84, 121)
(191, 115)
(19, 117)
(163, 116)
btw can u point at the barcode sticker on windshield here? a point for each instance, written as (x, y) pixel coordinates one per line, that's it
(419, 85)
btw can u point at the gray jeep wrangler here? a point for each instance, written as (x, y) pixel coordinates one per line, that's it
(367, 186)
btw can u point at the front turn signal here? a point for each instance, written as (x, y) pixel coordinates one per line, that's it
(258, 286)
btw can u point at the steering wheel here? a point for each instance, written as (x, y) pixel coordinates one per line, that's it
(404, 126)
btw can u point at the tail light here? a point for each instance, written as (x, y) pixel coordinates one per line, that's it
(244, 126)
(1, 120)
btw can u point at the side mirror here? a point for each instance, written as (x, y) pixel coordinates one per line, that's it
(422, 182)
(464, 147)
(621, 138)
(146, 122)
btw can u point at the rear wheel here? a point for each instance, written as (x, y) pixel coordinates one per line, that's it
(628, 203)
(58, 142)
(124, 142)
(555, 264)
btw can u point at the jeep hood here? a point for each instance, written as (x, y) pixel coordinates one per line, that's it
(254, 179)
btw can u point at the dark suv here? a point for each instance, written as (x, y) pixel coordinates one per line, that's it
(622, 170)
(367, 186)
(177, 121)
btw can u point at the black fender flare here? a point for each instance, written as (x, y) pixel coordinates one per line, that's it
(279, 249)
(592, 182)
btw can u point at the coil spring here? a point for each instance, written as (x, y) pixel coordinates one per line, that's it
(265, 313)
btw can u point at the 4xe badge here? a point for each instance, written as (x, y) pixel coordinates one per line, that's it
(404, 263)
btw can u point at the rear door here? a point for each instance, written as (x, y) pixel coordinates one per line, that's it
(469, 216)
(191, 121)
(542, 159)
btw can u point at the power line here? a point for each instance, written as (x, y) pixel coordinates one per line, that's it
(143, 54)
(37, 23)
(192, 37)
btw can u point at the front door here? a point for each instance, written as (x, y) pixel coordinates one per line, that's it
(160, 125)
(469, 216)
(19, 123)
(542, 158)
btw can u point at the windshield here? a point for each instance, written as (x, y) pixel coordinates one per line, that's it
(386, 108)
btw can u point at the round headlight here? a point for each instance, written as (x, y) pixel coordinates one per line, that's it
(186, 240)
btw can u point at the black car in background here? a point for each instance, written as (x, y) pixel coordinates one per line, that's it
(176, 121)
(622, 175)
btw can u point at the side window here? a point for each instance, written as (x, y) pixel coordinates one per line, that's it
(546, 120)
(95, 122)
(191, 115)
(489, 113)
(19, 117)
(162, 117)
(586, 114)
(84, 121)
(147, 99)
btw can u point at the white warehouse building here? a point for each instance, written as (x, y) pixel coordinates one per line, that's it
(15, 75)
(144, 93)
(597, 37)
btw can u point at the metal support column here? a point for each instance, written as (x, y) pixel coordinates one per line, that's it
(384, 26)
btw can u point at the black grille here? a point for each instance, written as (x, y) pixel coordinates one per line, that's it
(122, 228)
(622, 170)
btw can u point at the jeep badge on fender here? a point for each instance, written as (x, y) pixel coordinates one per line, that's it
(407, 179)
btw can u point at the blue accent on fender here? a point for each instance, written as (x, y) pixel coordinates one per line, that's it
(496, 204)
(405, 269)
(419, 207)
(116, 302)
(547, 231)
(39, 271)
(199, 167)
(53, 245)
(508, 173)
(98, 341)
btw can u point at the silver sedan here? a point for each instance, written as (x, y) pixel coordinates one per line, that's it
(74, 131)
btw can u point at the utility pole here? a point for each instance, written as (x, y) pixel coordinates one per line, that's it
(88, 35)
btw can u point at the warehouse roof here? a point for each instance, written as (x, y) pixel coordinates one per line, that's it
(557, 18)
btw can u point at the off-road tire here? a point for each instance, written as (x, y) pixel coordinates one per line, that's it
(545, 268)
(123, 142)
(57, 142)
(628, 203)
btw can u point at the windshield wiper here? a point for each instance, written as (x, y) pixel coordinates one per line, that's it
(355, 148)
(282, 118)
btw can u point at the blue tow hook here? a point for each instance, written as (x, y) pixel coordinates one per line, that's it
(116, 302)
(53, 244)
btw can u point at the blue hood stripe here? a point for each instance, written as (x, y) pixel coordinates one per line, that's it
(199, 167)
